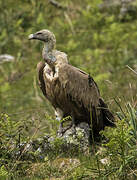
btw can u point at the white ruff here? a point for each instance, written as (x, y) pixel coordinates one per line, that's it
(50, 75)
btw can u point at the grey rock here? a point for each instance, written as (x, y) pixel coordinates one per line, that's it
(6, 58)
(73, 139)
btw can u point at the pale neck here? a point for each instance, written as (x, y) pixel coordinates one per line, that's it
(47, 53)
(48, 47)
(46, 50)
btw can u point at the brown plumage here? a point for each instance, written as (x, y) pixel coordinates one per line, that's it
(70, 90)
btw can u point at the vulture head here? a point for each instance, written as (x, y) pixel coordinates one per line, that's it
(49, 53)
(46, 36)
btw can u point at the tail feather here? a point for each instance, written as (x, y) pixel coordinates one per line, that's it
(108, 117)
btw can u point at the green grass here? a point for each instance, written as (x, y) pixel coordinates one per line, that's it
(98, 42)
(113, 159)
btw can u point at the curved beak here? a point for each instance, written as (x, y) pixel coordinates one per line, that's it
(31, 36)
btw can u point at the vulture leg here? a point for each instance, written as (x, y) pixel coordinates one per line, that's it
(59, 117)
(62, 130)
(71, 126)
(41, 82)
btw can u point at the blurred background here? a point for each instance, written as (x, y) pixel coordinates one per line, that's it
(99, 36)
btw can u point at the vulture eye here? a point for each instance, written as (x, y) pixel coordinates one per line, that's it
(39, 33)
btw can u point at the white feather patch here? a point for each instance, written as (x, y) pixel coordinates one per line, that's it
(58, 114)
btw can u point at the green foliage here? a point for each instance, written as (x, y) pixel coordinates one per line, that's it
(96, 40)
(115, 159)
(3, 172)
(121, 147)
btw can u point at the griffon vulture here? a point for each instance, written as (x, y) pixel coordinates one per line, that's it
(71, 91)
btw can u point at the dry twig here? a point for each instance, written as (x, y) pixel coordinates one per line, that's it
(57, 4)
(131, 69)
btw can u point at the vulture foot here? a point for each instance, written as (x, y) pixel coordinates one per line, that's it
(62, 130)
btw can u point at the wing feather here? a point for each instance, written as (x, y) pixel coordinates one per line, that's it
(41, 82)
(75, 83)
